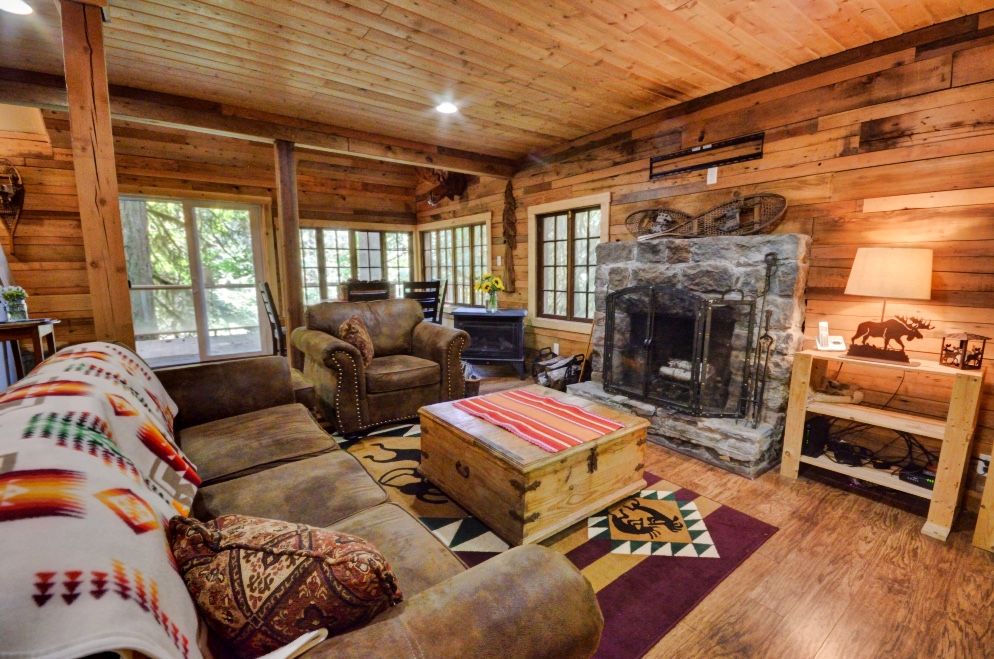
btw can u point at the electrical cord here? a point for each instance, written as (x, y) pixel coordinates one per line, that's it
(842, 450)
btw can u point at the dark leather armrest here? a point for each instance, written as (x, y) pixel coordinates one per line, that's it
(218, 390)
(444, 346)
(527, 603)
(345, 374)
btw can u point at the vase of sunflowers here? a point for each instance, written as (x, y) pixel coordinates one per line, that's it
(489, 284)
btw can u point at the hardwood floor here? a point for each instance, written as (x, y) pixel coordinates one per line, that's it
(847, 575)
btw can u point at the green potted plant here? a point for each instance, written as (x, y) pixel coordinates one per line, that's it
(14, 302)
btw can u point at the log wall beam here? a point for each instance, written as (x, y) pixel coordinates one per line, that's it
(95, 172)
(289, 240)
(47, 91)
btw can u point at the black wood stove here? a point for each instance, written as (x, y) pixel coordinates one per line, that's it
(496, 337)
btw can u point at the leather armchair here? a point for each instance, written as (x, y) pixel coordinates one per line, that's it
(415, 363)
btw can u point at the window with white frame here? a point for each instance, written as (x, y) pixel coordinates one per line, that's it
(330, 257)
(567, 260)
(562, 252)
(459, 255)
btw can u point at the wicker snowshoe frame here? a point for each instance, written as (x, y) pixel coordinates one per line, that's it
(740, 217)
(11, 198)
(655, 220)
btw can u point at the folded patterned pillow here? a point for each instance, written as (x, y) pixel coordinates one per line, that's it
(354, 331)
(260, 584)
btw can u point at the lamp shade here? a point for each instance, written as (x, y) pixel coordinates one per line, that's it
(891, 272)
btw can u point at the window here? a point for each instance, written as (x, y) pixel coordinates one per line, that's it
(330, 257)
(567, 262)
(194, 269)
(458, 255)
(562, 252)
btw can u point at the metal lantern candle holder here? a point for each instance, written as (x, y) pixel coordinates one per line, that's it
(963, 351)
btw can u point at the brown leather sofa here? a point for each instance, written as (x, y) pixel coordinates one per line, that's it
(415, 363)
(261, 454)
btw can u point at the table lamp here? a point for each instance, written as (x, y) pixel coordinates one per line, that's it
(889, 272)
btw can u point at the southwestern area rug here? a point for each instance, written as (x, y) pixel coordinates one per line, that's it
(651, 558)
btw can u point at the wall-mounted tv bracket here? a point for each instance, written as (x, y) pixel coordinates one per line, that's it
(726, 152)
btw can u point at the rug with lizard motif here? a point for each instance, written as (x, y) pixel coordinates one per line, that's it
(651, 558)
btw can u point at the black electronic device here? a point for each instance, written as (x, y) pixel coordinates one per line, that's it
(916, 476)
(815, 436)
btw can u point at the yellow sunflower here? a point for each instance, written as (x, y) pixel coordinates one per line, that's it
(498, 284)
(476, 285)
(485, 287)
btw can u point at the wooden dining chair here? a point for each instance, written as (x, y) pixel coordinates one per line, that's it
(428, 295)
(279, 332)
(367, 291)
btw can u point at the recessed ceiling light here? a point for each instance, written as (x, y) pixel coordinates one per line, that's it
(16, 7)
(444, 108)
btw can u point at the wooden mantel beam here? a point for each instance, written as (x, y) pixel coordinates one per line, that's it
(48, 91)
(96, 175)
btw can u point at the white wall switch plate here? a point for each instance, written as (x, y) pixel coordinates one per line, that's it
(555, 348)
(498, 260)
(712, 175)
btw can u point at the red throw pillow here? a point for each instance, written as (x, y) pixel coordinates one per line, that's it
(354, 331)
(261, 583)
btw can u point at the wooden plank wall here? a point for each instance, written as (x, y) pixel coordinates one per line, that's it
(49, 260)
(895, 149)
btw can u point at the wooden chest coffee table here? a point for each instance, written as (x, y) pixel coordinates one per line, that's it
(522, 492)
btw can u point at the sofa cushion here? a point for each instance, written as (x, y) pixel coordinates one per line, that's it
(354, 331)
(398, 372)
(318, 491)
(419, 559)
(262, 583)
(246, 443)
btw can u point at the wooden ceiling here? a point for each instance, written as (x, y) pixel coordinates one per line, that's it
(527, 74)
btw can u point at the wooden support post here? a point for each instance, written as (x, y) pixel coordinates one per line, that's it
(96, 174)
(954, 458)
(793, 435)
(289, 241)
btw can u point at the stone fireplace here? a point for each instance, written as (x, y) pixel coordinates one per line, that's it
(687, 335)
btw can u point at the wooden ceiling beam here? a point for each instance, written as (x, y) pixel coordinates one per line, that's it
(141, 106)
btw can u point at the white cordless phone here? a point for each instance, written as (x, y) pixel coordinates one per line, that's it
(826, 342)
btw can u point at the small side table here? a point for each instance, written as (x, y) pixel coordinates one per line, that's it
(35, 330)
(496, 337)
(955, 432)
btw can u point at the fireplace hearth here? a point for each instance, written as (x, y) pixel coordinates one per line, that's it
(698, 336)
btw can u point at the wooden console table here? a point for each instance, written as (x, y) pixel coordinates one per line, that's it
(35, 330)
(956, 432)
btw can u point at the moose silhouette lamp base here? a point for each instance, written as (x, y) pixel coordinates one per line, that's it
(872, 353)
(893, 332)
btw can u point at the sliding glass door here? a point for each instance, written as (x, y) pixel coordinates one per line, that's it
(193, 268)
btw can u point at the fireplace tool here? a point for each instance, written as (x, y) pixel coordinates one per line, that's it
(764, 347)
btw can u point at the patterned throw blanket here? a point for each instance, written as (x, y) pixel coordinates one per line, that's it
(546, 422)
(90, 474)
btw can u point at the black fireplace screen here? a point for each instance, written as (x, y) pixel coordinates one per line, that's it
(678, 348)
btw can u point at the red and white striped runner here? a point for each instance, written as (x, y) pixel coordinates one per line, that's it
(545, 422)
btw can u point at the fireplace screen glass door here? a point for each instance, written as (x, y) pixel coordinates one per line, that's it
(678, 348)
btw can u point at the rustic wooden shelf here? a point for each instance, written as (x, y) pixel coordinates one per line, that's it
(870, 475)
(955, 432)
(916, 425)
